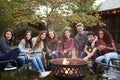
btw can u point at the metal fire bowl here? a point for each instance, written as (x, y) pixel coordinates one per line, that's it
(75, 70)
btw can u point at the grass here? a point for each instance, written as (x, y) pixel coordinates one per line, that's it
(33, 74)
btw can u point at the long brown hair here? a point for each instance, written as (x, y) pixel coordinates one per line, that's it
(107, 36)
(39, 39)
(50, 41)
(28, 43)
(12, 38)
(63, 36)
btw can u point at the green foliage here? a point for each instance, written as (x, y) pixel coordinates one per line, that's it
(6, 19)
(58, 15)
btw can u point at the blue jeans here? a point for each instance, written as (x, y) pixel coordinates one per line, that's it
(12, 54)
(107, 57)
(36, 62)
(94, 64)
(54, 56)
(82, 54)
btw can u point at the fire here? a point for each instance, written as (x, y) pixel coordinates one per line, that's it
(65, 61)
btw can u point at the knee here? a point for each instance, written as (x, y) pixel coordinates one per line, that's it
(17, 50)
(97, 60)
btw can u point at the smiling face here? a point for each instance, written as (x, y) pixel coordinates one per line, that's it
(101, 34)
(8, 35)
(51, 34)
(80, 29)
(91, 38)
(43, 36)
(28, 36)
(67, 34)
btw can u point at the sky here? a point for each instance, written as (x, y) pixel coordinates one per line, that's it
(43, 9)
(97, 2)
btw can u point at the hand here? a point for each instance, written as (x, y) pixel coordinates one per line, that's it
(50, 54)
(64, 51)
(102, 47)
(85, 58)
(29, 52)
(53, 52)
(96, 38)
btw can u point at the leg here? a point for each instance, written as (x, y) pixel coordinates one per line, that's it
(108, 56)
(100, 59)
(82, 55)
(10, 55)
(34, 63)
(55, 56)
(40, 63)
(94, 64)
(21, 60)
(41, 56)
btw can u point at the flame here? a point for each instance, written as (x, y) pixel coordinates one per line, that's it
(65, 61)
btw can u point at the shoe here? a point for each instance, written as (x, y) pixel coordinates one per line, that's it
(9, 67)
(44, 74)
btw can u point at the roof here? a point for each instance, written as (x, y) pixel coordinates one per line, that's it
(109, 5)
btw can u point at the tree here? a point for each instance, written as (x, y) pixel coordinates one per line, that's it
(6, 19)
(62, 13)
(58, 13)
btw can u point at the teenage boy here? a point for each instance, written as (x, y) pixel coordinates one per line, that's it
(91, 50)
(80, 40)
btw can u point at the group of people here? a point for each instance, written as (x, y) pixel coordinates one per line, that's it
(99, 47)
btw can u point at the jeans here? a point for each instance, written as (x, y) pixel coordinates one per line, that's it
(94, 64)
(40, 55)
(12, 54)
(36, 62)
(107, 57)
(82, 54)
(52, 56)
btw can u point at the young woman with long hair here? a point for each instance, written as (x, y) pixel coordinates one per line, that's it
(106, 46)
(66, 45)
(39, 44)
(6, 52)
(52, 45)
(26, 46)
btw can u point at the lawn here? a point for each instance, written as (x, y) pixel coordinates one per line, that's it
(33, 74)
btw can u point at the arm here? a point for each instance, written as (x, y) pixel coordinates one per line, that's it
(86, 50)
(70, 47)
(21, 45)
(112, 48)
(48, 49)
(95, 40)
(4, 47)
(91, 54)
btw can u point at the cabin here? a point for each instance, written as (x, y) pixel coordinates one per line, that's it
(109, 12)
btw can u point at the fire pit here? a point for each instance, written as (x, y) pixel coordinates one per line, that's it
(69, 69)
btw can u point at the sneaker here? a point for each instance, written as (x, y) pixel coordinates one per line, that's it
(44, 74)
(9, 67)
